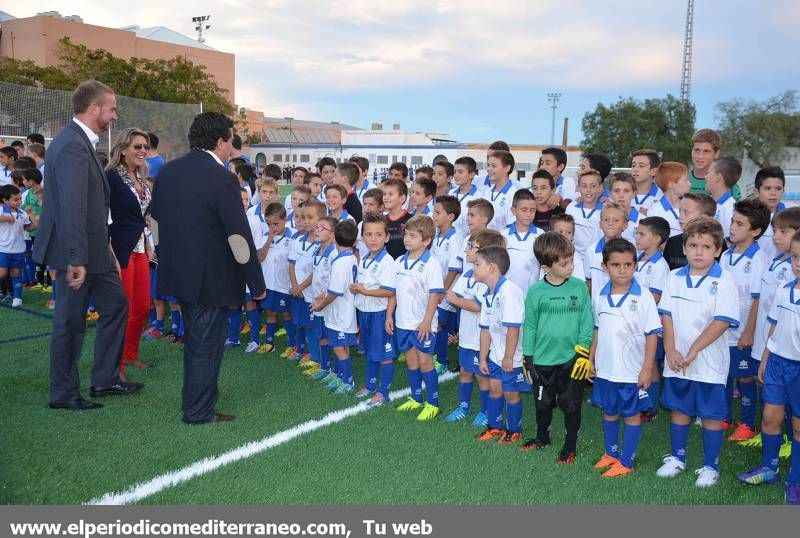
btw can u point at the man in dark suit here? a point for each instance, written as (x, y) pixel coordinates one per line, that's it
(73, 239)
(206, 255)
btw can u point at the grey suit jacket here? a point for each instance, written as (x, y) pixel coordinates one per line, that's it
(73, 227)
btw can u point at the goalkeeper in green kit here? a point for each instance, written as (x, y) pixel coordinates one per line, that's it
(556, 337)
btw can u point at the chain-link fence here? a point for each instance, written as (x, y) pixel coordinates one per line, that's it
(29, 109)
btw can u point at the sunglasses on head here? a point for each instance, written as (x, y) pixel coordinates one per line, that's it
(320, 227)
(139, 147)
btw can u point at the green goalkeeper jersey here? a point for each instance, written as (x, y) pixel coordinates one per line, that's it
(556, 318)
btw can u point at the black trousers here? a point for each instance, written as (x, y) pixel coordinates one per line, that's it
(204, 344)
(69, 327)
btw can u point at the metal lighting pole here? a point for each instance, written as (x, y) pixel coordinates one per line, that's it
(553, 98)
(291, 139)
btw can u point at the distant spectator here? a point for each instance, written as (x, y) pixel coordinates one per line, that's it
(154, 160)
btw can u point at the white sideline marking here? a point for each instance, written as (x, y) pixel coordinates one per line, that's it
(143, 490)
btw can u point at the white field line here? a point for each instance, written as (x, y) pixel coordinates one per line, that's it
(143, 490)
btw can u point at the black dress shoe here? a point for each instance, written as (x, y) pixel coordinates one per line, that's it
(76, 405)
(122, 389)
(216, 418)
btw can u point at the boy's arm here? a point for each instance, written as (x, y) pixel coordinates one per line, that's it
(483, 354)
(424, 328)
(307, 282)
(592, 354)
(645, 375)
(747, 337)
(391, 305)
(294, 289)
(450, 278)
(470, 305)
(320, 304)
(529, 324)
(762, 367)
(7, 217)
(262, 252)
(512, 338)
(586, 322)
(714, 330)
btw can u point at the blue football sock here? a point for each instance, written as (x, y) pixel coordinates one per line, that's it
(794, 464)
(712, 446)
(415, 384)
(337, 366)
(788, 421)
(291, 328)
(495, 412)
(630, 442)
(514, 417)
(16, 282)
(748, 402)
(771, 445)
(611, 436)
(300, 338)
(372, 375)
(387, 373)
(181, 325)
(346, 369)
(483, 398)
(313, 344)
(234, 322)
(271, 328)
(464, 395)
(254, 319)
(441, 346)
(52, 291)
(432, 387)
(679, 438)
(654, 391)
(729, 386)
(325, 356)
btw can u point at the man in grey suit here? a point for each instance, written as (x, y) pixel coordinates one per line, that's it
(73, 239)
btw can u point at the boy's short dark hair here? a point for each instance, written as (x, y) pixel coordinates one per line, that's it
(450, 204)
(274, 171)
(302, 189)
(552, 247)
(428, 186)
(706, 203)
(302, 169)
(483, 206)
(708, 135)
(559, 154)
(703, 225)
(599, 162)
(374, 218)
(651, 154)
(619, 245)
(398, 184)
(375, 194)
(338, 188)
(37, 149)
(422, 224)
(468, 163)
(543, 174)
(488, 238)
(505, 157)
(449, 169)
(32, 174)
(657, 226)
(9, 152)
(787, 218)
(401, 167)
(275, 209)
(237, 142)
(36, 138)
(309, 177)
(729, 168)
(332, 222)
(424, 170)
(765, 173)
(562, 217)
(496, 255)
(361, 162)
(153, 139)
(623, 177)
(325, 161)
(345, 233)
(520, 195)
(7, 191)
(317, 206)
(499, 145)
(350, 171)
(17, 144)
(756, 212)
(24, 162)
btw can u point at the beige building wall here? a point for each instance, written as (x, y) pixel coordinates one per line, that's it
(36, 39)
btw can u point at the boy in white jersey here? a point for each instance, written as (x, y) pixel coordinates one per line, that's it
(411, 314)
(722, 176)
(301, 255)
(652, 272)
(770, 184)
(519, 236)
(697, 307)
(623, 189)
(467, 295)
(276, 276)
(423, 191)
(373, 287)
(362, 184)
(500, 357)
(464, 173)
(501, 193)
(780, 373)
(335, 197)
(644, 163)
(298, 179)
(746, 263)
(337, 305)
(314, 182)
(479, 214)
(673, 180)
(564, 225)
(372, 202)
(554, 160)
(442, 175)
(320, 278)
(587, 212)
(444, 249)
(267, 189)
(299, 195)
(626, 315)
(14, 222)
(613, 221)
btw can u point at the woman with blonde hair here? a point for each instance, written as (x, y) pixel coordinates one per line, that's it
(126, 172)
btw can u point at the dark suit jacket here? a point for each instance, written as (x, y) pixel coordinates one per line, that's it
(353, 206)
(126, 215)
(73, 227)
(197, 208)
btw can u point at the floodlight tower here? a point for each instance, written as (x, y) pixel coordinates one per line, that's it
(686, 74)
(553, 98)
(199, 26)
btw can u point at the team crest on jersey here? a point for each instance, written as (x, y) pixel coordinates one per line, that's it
(573, 301)
(649, 269)
(714, 288)
(748, 267)
(781, 275)
(421, 268)
(632, 307)
(374, 270)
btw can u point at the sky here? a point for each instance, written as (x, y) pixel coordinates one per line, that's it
(476, 70)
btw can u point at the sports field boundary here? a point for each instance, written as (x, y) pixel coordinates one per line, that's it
(142, 490)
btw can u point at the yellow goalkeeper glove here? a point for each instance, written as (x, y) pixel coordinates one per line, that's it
(583, 365)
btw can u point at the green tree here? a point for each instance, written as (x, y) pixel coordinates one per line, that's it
(760, 130)
(616, 131)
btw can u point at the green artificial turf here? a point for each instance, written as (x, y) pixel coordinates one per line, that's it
(380, 456)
